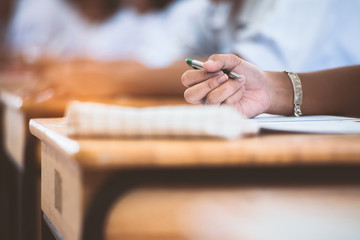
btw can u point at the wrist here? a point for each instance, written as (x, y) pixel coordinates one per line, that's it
(280, 93)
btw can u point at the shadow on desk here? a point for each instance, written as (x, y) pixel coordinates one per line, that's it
(239, 203)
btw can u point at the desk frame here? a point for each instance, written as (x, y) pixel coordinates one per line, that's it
(124, 181)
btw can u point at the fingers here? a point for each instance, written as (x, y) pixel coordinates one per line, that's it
(213, 91)
(211, 85)
(223, 92)
(196, 93)
(192, 77)
(236, 97)
(212, 67)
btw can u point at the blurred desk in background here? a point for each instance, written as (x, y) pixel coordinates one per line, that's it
(22, 151)
(272, 186)
(12, 177)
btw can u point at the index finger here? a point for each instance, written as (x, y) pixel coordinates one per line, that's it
(193, 77)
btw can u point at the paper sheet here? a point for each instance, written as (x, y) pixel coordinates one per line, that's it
(310, 124)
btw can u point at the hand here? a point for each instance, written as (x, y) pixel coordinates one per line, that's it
(78, 79)
(250, 96)
(85, 78)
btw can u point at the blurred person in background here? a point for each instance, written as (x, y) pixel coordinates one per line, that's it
(107, 30)
(296, 35)
(97, 47)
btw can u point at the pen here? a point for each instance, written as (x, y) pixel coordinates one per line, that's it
(196, 64)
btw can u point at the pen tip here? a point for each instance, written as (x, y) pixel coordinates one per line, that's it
(189, 61)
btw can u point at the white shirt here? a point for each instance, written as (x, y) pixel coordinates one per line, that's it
(54, 28)
(297, 35)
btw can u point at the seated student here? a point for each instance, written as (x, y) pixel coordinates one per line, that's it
(332, 91)
(102, 30)
(256, 30)
(110, 52)
(301, 35)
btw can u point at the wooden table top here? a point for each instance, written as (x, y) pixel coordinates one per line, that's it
(269, 149)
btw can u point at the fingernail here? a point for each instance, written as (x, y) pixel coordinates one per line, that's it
(223, 78)
(242, 79)
(214, 74)
(217, 73)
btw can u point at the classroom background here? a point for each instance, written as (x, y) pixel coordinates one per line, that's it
(132, 54)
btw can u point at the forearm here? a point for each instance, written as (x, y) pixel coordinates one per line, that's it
(334, 91)
(280, 92)
(86, 78)
(160, 82)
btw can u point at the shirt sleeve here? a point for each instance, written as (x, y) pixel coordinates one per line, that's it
(303, 35)
(31, 27)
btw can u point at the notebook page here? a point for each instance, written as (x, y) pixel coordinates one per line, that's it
(310, 124)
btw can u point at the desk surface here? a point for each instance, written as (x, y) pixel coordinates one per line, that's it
(261, 150)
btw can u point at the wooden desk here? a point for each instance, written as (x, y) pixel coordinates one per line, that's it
(279, 186)
(12, 177)
(22, 149)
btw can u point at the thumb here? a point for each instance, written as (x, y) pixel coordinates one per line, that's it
(217, 62)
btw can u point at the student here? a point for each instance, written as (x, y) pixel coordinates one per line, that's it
(333, 91)
(301, 35)
(272, 34)
(102, 30)
(77, 51)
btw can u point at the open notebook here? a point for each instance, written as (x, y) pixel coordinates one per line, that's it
(100, 120)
